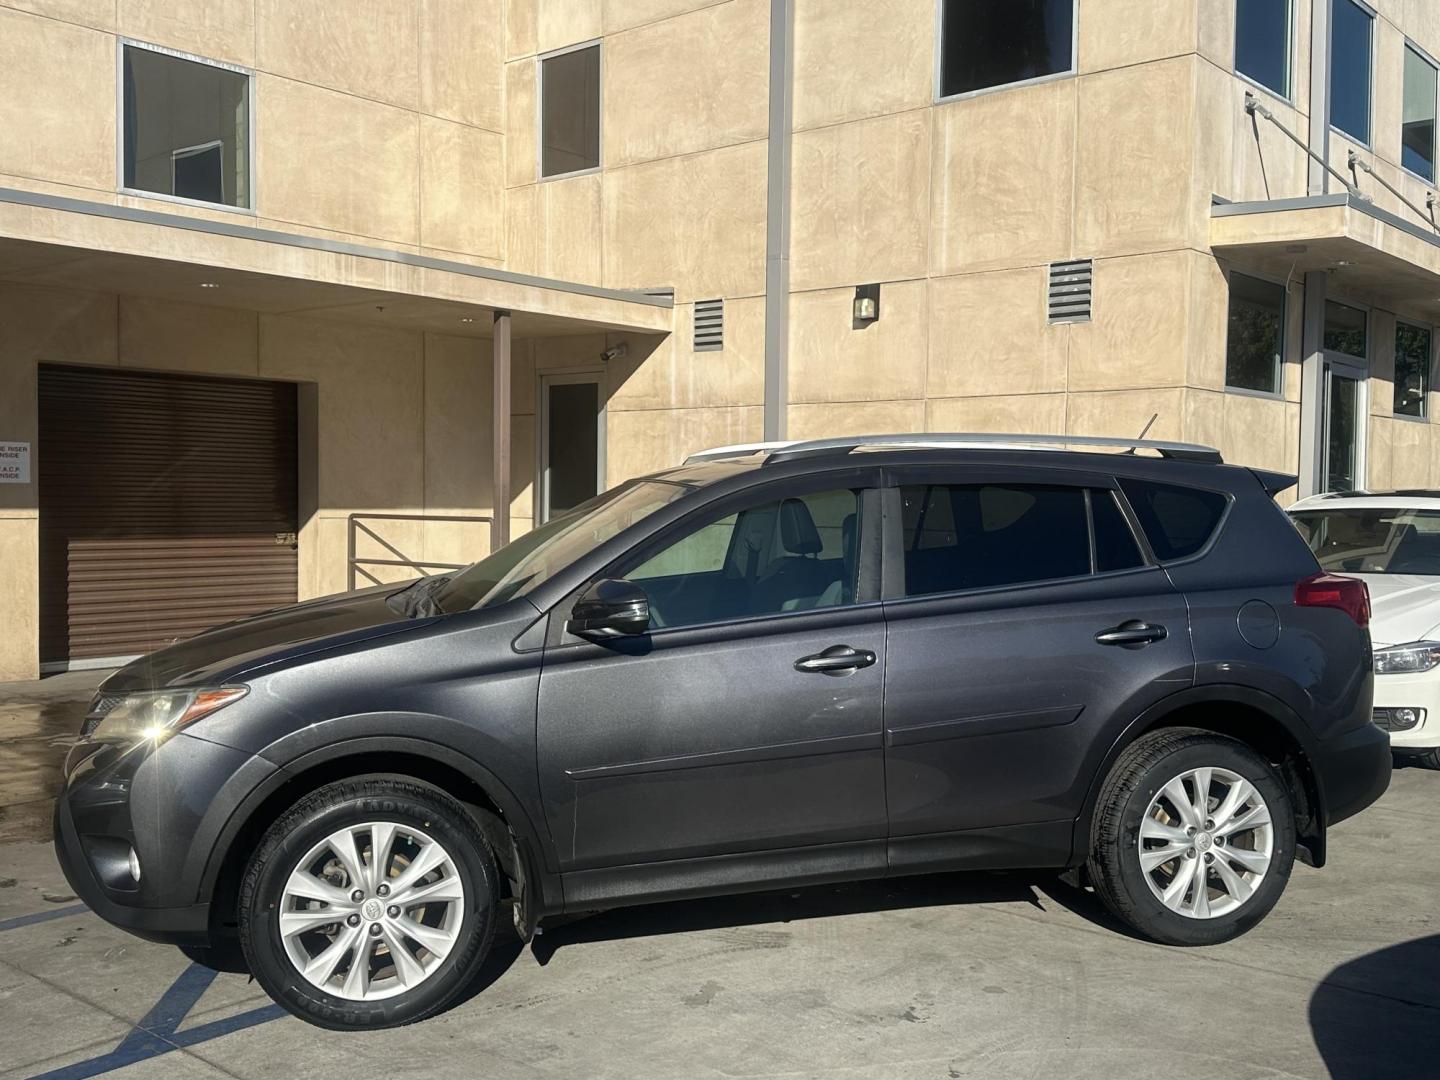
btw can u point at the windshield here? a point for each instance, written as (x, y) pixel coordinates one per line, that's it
(1373, 541)
(521, 566)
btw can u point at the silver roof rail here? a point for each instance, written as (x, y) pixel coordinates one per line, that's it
(784, 451)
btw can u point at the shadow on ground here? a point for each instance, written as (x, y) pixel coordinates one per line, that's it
(1379, 1016)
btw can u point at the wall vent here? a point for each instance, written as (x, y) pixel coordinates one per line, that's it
(709, 325)
(1070, 284)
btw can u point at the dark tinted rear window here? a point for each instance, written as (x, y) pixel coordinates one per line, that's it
(1115, 546)
(1178, 521)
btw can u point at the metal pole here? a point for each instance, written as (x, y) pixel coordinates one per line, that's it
(777, 230)
(1319, 132)
(500, 358)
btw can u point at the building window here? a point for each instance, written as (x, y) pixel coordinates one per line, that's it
(1262, 42)
(1346, 330)
(186, 128)
(1412, 369)
(1255, 341)
(1352, 33)
(570, 111)
(984, 44)
(1417, 133)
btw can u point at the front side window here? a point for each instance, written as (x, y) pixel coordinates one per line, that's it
(1412, 369)
(1373, 541)
(984, 44)
(186, 128)
(1255, 335)
(570, 111)
(957, 537)
(779, 556)
(1351, 30)
(1346, 330)
(1178, 521)
(1417, 133)
(1262, 42)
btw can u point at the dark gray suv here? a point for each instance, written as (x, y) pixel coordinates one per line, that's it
(773, 666)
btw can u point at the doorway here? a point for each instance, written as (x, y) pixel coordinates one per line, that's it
(572, 441)
(1344, 399)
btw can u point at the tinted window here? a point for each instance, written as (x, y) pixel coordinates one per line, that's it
(1368, 541)
(1412, 369)
(794, 554)
(1351, 29)
(187, 128)
(1255, 334)
(570, 112)
(1262, 42)
(976, 537)
(1345, 329)
(985, 44)
(1178, 521)
(1417, 133)
(1115, 546)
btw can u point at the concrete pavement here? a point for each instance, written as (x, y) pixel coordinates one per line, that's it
(950, 976)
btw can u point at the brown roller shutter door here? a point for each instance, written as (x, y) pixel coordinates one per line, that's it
(167, 506)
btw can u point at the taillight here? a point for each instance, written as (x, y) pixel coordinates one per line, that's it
(1348, 594)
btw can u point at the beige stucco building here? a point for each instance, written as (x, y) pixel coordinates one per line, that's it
(1074, 222)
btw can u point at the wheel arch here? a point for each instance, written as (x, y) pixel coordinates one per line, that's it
(519, 846)
(1257, 719)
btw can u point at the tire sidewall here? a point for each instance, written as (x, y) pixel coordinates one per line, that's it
(1165, 924)
(281, 852)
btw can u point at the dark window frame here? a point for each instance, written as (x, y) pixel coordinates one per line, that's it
(1291, 37)
(1277, 394)
(249, 206)
(1367, 142)
(540, 61)
(1424, 415)
(939, 61)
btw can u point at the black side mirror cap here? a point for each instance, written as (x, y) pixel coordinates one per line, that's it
(610, 608)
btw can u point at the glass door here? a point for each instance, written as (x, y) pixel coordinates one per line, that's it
(1344, 428)
(572, 429)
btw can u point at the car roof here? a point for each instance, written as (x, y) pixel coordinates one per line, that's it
(788, 450)
(1400, 499)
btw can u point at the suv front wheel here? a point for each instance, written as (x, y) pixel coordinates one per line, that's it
(369, 904)
(1194, 838)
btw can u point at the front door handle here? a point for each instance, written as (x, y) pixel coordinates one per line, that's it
(836, 660)
(1132, 634)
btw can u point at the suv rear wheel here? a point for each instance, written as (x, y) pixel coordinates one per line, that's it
(1194, 838)
(369, 904)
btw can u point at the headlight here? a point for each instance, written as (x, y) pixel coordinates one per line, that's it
(127, 719)
(1407, 659)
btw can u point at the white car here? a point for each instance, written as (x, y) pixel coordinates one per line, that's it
(1390, 540)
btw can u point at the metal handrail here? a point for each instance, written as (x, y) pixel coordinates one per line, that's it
(420, 566)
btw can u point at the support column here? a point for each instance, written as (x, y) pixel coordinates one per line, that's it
(500, 421)
(1319, 129)
(1312, 385)
(777, 214)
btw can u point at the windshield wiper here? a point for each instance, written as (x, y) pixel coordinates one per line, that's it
(418, 598)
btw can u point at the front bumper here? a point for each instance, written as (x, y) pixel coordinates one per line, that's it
(1420, 691)
(1353, 771)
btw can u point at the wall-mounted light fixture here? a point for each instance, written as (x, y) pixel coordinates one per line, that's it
(866, 308)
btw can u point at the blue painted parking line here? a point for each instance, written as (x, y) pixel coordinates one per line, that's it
(41, 916)
(156, 1034)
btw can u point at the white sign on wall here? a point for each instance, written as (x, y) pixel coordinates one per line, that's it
(14, 462)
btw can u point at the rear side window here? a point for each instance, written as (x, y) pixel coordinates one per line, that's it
(1178, 521)
(957, 537)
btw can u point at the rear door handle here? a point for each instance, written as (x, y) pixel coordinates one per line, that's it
(1132, 634)
(836, 660)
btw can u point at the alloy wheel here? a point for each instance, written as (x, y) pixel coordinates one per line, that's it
(1206, 843)
(372, 910)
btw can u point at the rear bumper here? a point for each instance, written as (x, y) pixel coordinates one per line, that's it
(175, 925)
(1353, 770)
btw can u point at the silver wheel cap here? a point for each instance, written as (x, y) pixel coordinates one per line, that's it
(371, 911)
(1206, 842)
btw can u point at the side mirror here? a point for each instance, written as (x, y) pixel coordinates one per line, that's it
(610, 608)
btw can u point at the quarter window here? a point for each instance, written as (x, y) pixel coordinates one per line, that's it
(570, 111)
(1412, 369)
(1115, 546)
(1352, 30)
(984, 44)
(1417, 133)
(186, 128)
(1178, 521)
(784, 555)
(1262, 42)
(1255, 335)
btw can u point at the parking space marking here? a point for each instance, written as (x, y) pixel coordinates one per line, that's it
(156, 1032)
(41, 916)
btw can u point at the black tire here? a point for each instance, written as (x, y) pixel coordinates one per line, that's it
(1114, 865)
(353, 802)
